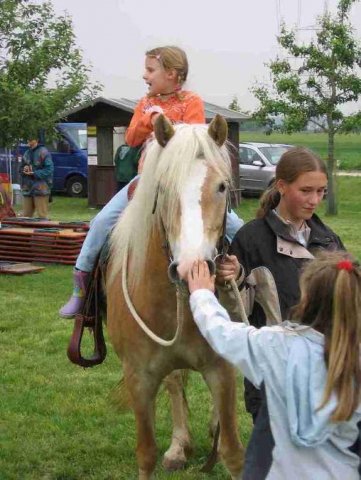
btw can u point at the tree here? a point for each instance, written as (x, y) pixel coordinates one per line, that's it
(325, 79)
(234, 104)
(41, 69)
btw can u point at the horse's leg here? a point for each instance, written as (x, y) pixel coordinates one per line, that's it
(221, 380)
(143, 388)
(176, 455)
(212, 427)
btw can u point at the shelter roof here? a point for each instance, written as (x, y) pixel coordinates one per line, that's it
(129, 105)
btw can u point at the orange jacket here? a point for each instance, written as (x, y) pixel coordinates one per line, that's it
(182, 107)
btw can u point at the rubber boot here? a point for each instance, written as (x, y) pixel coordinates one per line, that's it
(76, 301)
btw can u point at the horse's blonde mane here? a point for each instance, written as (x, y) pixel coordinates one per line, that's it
(167, 169)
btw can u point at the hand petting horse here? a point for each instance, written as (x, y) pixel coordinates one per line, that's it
(176, 217)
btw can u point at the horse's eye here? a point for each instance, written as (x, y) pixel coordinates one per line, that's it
(221, 187)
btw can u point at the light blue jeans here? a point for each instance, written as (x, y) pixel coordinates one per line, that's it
(102, 224)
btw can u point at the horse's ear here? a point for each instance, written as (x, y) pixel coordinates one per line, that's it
(218, 130)
(163, 130)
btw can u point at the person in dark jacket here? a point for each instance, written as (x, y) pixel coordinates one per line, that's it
(126, 164)
(285, 235)
(36, 172)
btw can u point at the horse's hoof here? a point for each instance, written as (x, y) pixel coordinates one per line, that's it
(145, 475)
(171, 464)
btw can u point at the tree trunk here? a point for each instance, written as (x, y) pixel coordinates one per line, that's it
(332, 180)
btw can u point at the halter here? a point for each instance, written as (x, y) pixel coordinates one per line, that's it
(221, 250)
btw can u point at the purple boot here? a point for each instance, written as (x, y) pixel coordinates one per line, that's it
(76, 301)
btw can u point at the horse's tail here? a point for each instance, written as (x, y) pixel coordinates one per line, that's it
(119, 397)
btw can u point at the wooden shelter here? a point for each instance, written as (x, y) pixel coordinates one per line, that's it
(107, 113)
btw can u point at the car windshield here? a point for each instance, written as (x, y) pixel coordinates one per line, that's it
(273, 153)
(78, 134)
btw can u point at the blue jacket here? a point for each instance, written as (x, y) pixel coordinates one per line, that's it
(288, 361)
(40, 182)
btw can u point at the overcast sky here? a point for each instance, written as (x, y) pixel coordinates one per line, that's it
(227, 42)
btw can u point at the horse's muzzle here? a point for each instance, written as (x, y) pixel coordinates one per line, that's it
(173, 274)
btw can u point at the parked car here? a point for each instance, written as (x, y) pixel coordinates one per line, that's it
(257, 165)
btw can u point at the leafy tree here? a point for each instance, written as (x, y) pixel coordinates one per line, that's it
(234, 104)
(41, 69)
(325, 79)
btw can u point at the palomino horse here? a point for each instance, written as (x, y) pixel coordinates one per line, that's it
(178, 211)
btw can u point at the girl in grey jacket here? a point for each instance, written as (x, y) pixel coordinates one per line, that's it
(310, 371)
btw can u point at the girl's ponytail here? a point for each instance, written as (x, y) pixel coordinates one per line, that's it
(269, 201)
(342, 351)
(331, 303)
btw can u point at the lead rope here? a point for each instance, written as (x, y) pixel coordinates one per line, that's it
(224, 250)
(180, 291)
(239, 301)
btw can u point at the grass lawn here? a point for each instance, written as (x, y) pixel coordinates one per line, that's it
(56, 419)
(347, 147)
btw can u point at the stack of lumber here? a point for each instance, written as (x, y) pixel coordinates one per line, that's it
(39, 222)
(18, 268)
(31, 240)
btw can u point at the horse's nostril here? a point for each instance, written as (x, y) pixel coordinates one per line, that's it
(173, 272)
(212, 266)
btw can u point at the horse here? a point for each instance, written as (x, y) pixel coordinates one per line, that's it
(176, 216)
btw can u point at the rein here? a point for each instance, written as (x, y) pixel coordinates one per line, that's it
(180, 292)
(224, 245)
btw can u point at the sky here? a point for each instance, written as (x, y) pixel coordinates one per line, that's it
(228, 42)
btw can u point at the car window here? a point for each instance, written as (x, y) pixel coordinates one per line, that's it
(52, 145)
(78, 134)
(273, 153)
(246, 155)
(59, 144)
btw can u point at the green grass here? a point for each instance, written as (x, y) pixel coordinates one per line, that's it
(347, 147)
(56, 419)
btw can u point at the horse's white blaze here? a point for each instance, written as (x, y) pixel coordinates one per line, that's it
(192, 243)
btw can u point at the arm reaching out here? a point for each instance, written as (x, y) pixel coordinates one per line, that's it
(238, 343)
(200, 278)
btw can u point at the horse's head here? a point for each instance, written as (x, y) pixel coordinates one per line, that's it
(193, 186)
(181, 197)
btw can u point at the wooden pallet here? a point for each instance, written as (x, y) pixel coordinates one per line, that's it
(30, 243)
(34, 258)
(17, 268)
(47, 244)
(40, 223)
(59, 233)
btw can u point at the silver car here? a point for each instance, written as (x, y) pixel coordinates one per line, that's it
(257, 165)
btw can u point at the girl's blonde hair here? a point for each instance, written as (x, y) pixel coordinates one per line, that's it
(331, 303)
(172, 57)
(292, 164)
